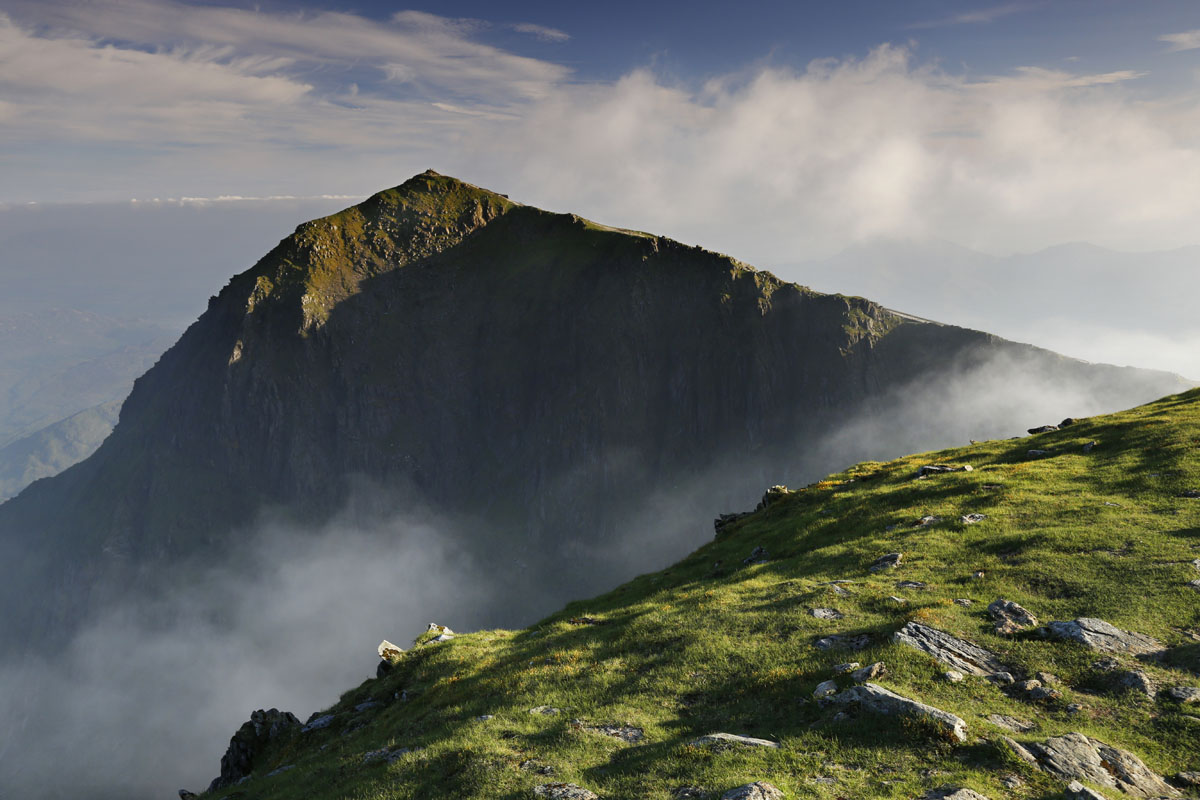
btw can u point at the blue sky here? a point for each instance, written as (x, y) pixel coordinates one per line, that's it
(773, 130)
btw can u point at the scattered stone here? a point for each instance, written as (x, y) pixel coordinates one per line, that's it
(954, 676)
(564, 791)
(532, 765)
(902, 601)
(1191, 494)
(758, 555)
(1075, 708)
(759, 790)
(280, 770)
(872, 697)
(926, 521)
(869, 672)
(1012, 781)
(1067, 421)
(1036, 453)
(971, 519)
(1087, 448)
(825, 688)
(842, 669)
(1184, 694)
(1077, 791)
(1138, 681)
(1075, 756)
(585, 621)
(444, 634)
(1028, 686)
(1010, 723)
(959, 654)
(1100, 635)
(962, 601)
(548, 711)
(388, 651)
(1045, 694)
(978, 574)
(826, 613)
(386, 754)
(911, 585)
(370, 705)
(249, 742)
(1195, 585)
(889, 561)
(992, 487)
(318, 722)
(688, 793)
(724, 741)
(1010, 617)
(952, 793)
(941, 469)
(843, 642)
(626, 733)
(1190, 778)
(1047, 677)
(1043, 429)
(485, 717)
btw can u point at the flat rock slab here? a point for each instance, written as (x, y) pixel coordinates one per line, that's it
(842, 642)
(548, 711)
(942, 469)
(1010, 617)
(759, 790)
(564, 791)
(1077, 791)
(727, 740)
(1100, 635)
(958, 653)
(1010, 723)
(826, 613)
(874, 698)
(888, 561)
(1075, 756)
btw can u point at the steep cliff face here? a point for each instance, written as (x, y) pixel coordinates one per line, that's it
(535, 369)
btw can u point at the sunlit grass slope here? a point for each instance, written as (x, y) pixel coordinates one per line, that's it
(714, 644)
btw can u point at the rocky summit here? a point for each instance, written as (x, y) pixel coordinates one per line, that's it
(718, 665)
(446, 346)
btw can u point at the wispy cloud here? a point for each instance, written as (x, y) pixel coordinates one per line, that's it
(980, 17)
(1187, 40)
(542, 32)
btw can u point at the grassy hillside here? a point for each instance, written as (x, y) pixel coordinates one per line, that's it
(716, 645)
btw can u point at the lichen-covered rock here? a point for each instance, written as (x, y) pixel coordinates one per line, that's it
(958, 653)
(869, 672)
(1104, 637)
(1010, 617)
(388, 651)
(1184, 694)
(953, 793)
(876, 699)
(826, 613)
(725, 740)
(759, 790)
(1010, 723)
(249, 741)
(1077, 791)
(824, 689)
(1075, 756)
(941, 469)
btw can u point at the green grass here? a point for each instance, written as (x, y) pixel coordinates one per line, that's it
(712, 645)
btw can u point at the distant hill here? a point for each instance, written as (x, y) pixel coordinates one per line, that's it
(55, 447)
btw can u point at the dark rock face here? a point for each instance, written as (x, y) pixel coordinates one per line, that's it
(532, 369)
(250, 739)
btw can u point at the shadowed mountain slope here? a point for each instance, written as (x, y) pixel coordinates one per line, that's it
(531, 369)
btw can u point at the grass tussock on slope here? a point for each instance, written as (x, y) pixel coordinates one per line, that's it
(715, 644)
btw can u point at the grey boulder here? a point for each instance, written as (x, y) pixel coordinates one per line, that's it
(876, 699)
(759, 790)
(1010, 617)
(1074, 756)
(958, 653)
(1104, 637)
(564, 791)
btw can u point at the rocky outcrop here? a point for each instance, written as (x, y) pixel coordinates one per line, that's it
(564, 791)
(262, 729)
(958, 653)
(1104, 637)
(876, 699)
(1076, 756)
